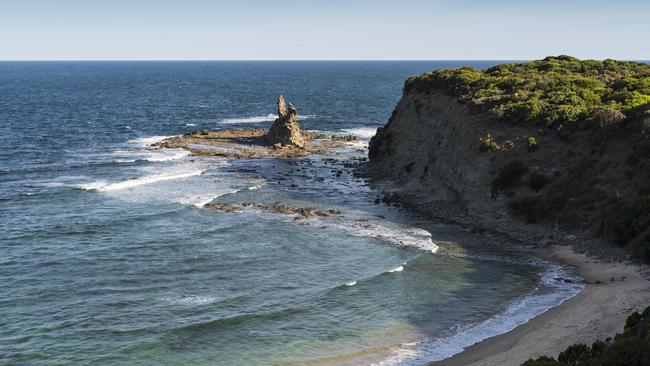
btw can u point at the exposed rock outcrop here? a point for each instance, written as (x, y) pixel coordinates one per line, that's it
(286, 130)
(283, 140)
(302, 212)
(442, 157)
(431, 154)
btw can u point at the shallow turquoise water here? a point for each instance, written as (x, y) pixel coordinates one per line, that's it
(108, 255)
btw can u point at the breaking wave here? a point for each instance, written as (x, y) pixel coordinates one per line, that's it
(103, 186)
(259, 119)
(516, 313)
(148, 141)
(361, 132)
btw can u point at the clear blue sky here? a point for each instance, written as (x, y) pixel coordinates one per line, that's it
(333, 29)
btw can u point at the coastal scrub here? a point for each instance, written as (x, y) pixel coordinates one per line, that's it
(594, 118)
(630, 348)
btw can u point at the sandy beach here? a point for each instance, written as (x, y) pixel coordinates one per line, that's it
(613, 291)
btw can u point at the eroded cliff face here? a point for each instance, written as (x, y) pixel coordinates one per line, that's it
(429, 148)
(509, 148)
(436, 151)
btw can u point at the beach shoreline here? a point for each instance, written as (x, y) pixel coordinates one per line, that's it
(613, 290)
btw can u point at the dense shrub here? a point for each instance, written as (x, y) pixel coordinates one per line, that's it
(531, 143)
(560, 92)
(509, 176)
(537, 181)
(600, 109)
(488, 144)
(630, 348)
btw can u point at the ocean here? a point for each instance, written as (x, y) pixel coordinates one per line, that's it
(108, 255)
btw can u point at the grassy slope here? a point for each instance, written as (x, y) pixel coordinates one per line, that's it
(603, 108)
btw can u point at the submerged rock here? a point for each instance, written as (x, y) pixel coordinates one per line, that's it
(285, 130)
(301, 212)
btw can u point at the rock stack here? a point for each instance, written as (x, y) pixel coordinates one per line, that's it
(285, 129)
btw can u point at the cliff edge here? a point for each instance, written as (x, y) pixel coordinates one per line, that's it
(560, 142)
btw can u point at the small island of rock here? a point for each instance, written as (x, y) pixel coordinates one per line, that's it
(285, 129)
(284, 139)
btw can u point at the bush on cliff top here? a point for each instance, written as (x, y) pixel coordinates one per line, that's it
(630, 348)
(602, 107)
(560, 92)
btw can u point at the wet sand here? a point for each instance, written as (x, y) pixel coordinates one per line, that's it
(613, 291)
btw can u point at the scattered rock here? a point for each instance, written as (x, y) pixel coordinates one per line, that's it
(302, 212)
(224, 207)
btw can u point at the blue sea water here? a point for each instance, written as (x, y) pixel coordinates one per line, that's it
(108, 255)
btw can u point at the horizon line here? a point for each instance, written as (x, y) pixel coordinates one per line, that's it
(250, 60)
(307, 60)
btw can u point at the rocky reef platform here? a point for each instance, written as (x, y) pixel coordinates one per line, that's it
(283, 140)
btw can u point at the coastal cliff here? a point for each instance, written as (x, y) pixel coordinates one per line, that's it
(559, 143)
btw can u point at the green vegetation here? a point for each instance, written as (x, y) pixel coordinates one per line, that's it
(561, 92)
(531, 143)
(599, 112)
(488, 144)
(606, 193)
(630, 348)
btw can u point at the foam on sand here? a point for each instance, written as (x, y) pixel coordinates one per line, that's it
(516, 313)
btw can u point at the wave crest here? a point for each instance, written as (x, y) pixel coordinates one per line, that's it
(103, 186)
(259, 119)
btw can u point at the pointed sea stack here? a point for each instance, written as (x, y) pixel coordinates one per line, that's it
(285, 129)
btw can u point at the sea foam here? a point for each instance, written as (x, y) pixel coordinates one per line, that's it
(259, 119)
(362, 132)
(103, 186)
(396, 269)
(516, 313)
(400, 235)
(148, 140)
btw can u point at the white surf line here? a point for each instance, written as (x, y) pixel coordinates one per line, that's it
(149, 140)
(519, 311)
(361, 132)
(178, 154)
(394, 270)
(211, 198)
(102, 186)
(259, 119)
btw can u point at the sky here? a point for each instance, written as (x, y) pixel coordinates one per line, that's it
(323, 30)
